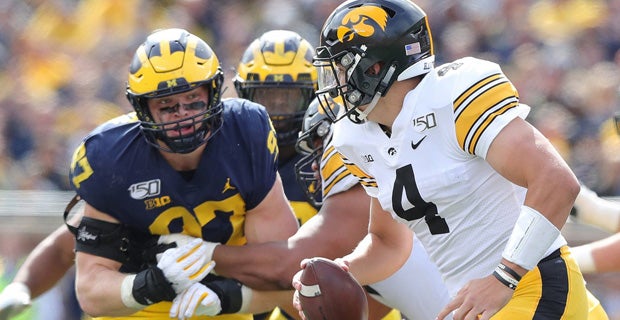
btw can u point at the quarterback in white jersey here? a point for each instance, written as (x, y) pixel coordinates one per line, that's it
(416, 289)
(431, 173)
(447, 153)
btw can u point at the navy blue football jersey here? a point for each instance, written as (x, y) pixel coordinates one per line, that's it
(117, 172)
(294, 192)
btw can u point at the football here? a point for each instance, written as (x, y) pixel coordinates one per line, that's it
(330, 293)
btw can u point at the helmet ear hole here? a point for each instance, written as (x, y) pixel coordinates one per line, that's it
(374, 69)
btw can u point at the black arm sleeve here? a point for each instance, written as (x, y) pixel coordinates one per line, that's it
(228, 290)
(151, 286)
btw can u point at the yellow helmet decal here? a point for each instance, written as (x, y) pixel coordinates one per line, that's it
(358, 22)
(167, 61)
(279, 53)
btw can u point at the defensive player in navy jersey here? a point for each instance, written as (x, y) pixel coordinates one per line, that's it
(193, 164)
(276, 71)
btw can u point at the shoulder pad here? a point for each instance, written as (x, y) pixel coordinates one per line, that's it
(464, 73)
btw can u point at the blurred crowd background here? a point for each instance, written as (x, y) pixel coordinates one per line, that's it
(63, 67)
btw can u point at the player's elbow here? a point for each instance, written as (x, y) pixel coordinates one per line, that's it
(575, 187)
(568, 184)
(561, 187)
(90, 299)
(88, 303)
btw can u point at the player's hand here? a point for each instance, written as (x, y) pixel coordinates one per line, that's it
(176, 240)
(297, 286)
(186, 265)
(296, 282)
(14, 299)
(196, 300)
(478, 299)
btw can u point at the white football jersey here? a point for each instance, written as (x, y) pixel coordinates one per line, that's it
(335, 177)
(416, 289)
(431, 173)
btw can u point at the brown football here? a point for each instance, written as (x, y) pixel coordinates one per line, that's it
(330, 293)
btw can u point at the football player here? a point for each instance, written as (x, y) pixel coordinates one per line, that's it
(190, 163)
(276, 71)
(446, 152)
(416, 289)
(275, 54)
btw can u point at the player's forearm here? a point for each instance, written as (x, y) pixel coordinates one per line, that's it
(552, 192)
(597, 211)
(271, 265)
(374, 259)
(48, 262)
(263, 301)
(383, 250)
(260, 266)
(98, 289)
(599, 256)
(605, 254)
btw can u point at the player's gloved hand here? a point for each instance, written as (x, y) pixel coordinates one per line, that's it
(14, 299)
(186, 265)
(212, 296)
(176, 240)
(197, 300)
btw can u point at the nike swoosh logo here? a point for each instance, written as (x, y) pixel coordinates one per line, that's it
(417, 144)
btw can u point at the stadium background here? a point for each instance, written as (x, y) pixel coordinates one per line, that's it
(63, 66)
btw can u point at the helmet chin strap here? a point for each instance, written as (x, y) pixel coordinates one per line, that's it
(361, 116)
(373, 103)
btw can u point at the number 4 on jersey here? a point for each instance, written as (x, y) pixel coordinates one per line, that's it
(405, 181)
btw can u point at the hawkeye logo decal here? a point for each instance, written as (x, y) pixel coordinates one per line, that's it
(362, 21)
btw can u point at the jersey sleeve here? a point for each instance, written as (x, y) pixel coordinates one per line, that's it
(88, 173)
(335, 176)
(485, 102)
(262, 146)
(367, 181)
(85, 175)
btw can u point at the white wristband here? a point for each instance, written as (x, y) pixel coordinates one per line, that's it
(583, 256)
(246, 297)
(531, 237)
(127, 293)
